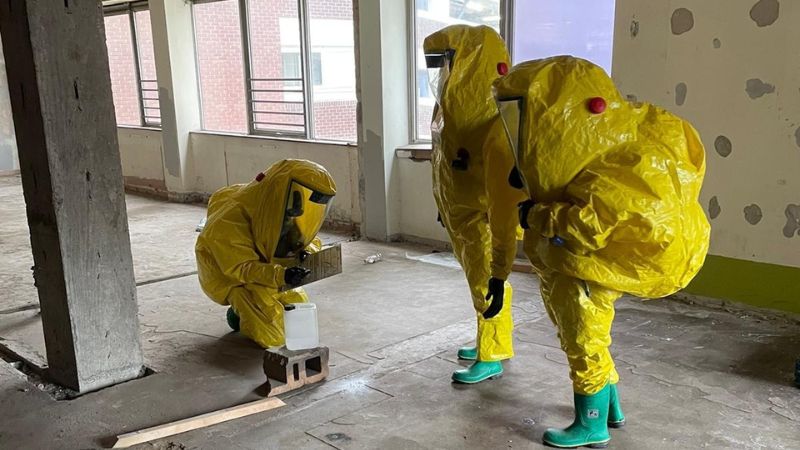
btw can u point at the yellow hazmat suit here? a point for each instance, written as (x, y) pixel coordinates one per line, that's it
(471, 160)
(614, 188)
(254, 232)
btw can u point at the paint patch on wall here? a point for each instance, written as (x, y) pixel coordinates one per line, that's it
(752, 214)
(723, 146)
(713, 208)
(682, 21)
(756, 88)
(797, 136)
(634, 28)
(717, 43)
(680, 94)
(792, 227)
(765, 12)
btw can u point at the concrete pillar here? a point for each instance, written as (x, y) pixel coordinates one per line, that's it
(72, 180)
(8, 144)
(178, 88)
(382, 89)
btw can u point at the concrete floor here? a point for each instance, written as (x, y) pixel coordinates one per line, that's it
(692, 376)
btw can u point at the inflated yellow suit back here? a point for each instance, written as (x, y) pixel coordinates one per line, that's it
(616, 183)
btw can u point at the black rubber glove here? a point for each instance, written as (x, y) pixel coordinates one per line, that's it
(439, 219)
(524, 208)
(514, 179)
(496, 290)
(293, 276)
(302, 255)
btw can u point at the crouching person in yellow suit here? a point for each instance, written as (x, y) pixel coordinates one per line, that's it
(255, 237)
(612, 208)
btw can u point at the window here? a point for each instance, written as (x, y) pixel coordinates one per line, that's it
(131, 61)
(295, 63)
(539, 29)
(148, 83)
(291, 67)
(431, 16)
(583, 29)
(333, 69)
(316, 68)
(220, 59)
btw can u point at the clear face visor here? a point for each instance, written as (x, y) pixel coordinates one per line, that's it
(438, 71)
(304, 212)
(511, 113)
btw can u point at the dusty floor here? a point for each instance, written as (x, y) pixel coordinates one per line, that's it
(692, 377)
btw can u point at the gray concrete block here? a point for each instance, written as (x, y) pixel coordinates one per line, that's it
(288, 370)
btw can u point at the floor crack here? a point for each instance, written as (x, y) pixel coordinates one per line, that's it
(323, 441)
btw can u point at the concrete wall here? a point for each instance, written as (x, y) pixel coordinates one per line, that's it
(218, 160)
(141, 155)
(8, 142)
(731, 67)
(417, 208)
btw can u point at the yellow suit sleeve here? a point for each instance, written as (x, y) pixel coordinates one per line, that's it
(503, 222)
(580, 226)
(502, 201)
(240, 261)
(616, 200)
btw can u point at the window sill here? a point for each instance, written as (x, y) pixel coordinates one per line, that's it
(138, 127)
(275, 138)
(415, 152)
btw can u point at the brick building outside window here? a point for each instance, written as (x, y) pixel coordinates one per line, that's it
(276, 68)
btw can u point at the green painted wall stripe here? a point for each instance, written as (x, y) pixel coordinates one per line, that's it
(758, 284)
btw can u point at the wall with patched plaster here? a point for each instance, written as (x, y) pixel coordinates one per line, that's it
(141, 156)
(418, 210)
(732, 68)
(217, 160)
(9, 160)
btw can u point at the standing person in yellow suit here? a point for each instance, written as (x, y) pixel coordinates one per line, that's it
(256, 236)
(470, 154)
(612, 208)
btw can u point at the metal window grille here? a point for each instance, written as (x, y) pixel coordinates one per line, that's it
(149, 106)
(280, 106)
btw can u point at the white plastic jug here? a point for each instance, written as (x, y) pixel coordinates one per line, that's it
(300, 326)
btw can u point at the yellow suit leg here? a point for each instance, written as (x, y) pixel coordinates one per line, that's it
(471, 241)
(260, 312)
(583, 314)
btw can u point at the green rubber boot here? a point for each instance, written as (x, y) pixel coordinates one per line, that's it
(468, 353)
(590, 428)
(479, 371)
(615, 417)
(233, 319)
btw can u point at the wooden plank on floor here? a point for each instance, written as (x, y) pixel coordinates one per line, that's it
(193, 423)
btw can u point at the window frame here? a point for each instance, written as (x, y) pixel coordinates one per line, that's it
(506, 21)
(129, 9)
(308, 113)
(306, 74)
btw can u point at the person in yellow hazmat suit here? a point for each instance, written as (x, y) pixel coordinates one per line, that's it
(470, 152)
(256, 235)
(612, 208)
